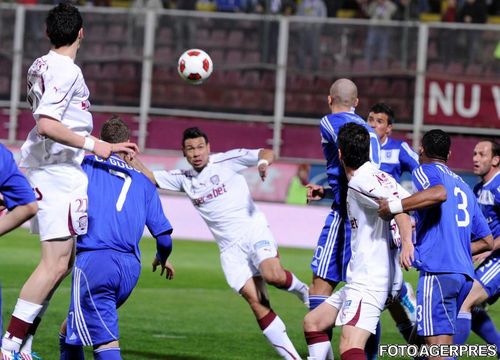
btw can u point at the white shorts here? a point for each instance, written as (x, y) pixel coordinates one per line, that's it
(241, 261)
(61, 192)
(358, 307)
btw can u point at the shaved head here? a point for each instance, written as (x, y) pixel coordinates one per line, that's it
(344, 93)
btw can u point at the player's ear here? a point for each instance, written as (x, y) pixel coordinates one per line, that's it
(80, 34)
(340, 155)
(330, 100)
(208, 147)
(449, 153)
(495, 161)
(356, 102)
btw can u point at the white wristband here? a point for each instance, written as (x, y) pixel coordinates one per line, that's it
(89, 144)
(396, 206)
(263, 162)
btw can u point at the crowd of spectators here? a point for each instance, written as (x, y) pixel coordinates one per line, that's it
(474, 11)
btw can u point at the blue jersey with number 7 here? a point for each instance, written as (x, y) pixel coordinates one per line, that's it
(121, 201)
(444, 232)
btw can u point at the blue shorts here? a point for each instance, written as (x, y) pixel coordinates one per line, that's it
(439, 298)
(333, 251)
(488, 274)
(102, 281)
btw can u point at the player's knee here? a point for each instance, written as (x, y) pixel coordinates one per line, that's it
(310, 323)
(62, 329)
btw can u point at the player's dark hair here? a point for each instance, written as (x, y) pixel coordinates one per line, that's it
(115, 131)
(436, 144)
(354, 143)
(382, 108)
(193, 133)
(63, 24)
(495, 146)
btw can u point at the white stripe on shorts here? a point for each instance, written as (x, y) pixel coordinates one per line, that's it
(491, 273)
(329, 246)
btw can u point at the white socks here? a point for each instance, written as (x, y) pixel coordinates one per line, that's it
(275, 332)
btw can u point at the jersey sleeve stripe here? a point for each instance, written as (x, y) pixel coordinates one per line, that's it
(422, 178)
(409, 151)
(328, 127)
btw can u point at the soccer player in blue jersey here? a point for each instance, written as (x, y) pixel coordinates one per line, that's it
(16, 194)
(486, 161)
(333, 251)
(108, 262)
(396, 156)
(448, 216)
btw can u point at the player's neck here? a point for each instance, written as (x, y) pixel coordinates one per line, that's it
(339, 109)
(490, 174)
(69, 51)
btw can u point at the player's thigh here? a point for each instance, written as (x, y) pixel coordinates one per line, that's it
(439, 297)
(62, 202)
(361, 308)
(353, 337)
(332, 252)
(322, 317)
(57, 253)
(475, 297)
(237, 267)
(488, 274)
(261, 246)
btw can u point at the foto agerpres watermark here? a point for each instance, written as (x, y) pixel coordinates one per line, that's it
(467, 350)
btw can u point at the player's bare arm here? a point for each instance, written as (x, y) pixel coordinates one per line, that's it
(407, 255)
(138, 165)
(420, 200)
(56, 131)
(17, 216)
(479, 258)
(266, 158)
(482, 245)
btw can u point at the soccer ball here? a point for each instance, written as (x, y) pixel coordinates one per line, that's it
(195, 66)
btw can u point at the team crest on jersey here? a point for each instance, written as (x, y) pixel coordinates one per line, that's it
(388, 154)
(215, 180)
(83, 222)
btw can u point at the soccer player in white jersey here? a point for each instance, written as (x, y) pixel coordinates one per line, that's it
(373, 267)
(52, 155)
(248, 251)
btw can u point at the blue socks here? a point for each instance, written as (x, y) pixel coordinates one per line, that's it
(485, 328)
(371, 347)
(316, 300)
(69, 352)
(107, 354)
(463, 328)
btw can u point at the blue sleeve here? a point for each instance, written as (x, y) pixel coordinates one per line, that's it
(407, 158)
(156, 220)
(14, 187)
(163, 246)
(374, 149)
(328, 134)
(426, 176)
(480, 228)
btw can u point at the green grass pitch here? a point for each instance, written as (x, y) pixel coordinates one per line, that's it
(195, 316)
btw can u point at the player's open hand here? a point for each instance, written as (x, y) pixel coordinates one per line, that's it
(383, 210)
(407, 255)
(167, 268)
(479, 258)
(315, 192)
(104, 149)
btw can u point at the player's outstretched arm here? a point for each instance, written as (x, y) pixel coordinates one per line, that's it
(56, 131)
(266, 158)
(17, 216)
(407, 254)
(420, 200)
(137, 164)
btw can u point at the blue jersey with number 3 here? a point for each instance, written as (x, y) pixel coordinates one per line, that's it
(444, 232)
(119, 206)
